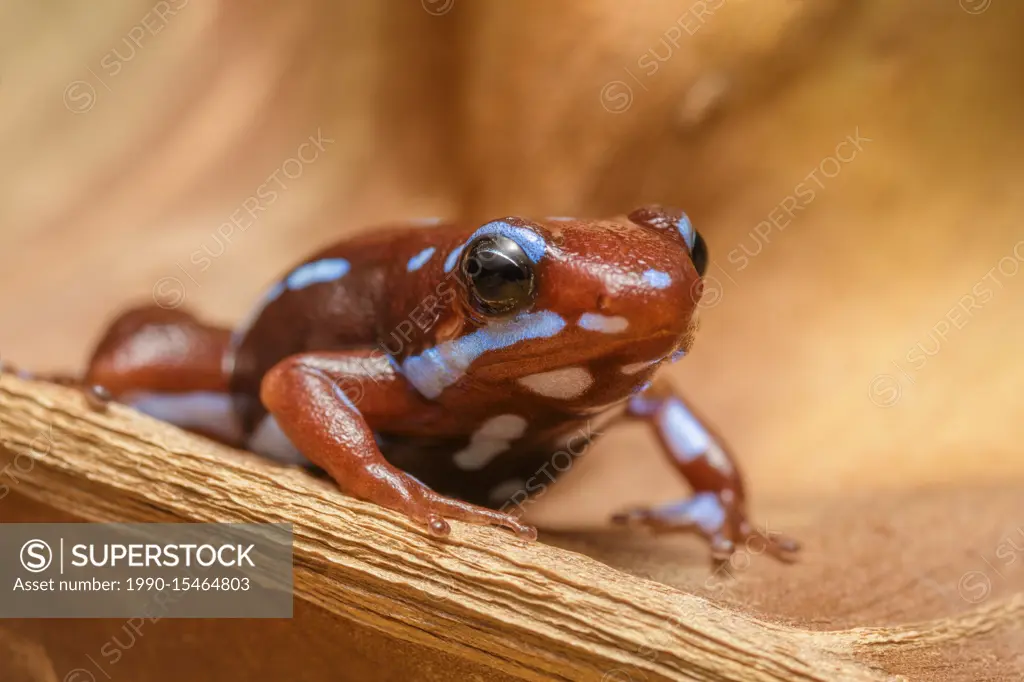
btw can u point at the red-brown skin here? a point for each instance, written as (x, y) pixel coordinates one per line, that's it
(336, 362)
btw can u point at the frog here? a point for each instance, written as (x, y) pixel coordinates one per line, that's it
(434, 367)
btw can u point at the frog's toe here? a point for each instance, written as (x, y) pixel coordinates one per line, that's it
(437, 526)
(722, 548)
(449, 508)
(97, 397)
(522, 530)
(779, 546)
(704, 513)
(528, 533)
(717, 519)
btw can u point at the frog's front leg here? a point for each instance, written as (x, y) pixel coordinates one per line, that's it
(330, 403)
(717, 510)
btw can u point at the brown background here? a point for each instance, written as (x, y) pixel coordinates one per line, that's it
(488, 108)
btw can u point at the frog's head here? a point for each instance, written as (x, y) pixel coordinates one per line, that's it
(561, 306)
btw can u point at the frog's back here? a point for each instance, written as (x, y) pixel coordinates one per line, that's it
(342, 297)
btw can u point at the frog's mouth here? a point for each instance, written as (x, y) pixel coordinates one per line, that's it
(619, 352)
(691, 332)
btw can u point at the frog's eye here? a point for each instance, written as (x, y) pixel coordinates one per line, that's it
(699, 255)
(498, 274)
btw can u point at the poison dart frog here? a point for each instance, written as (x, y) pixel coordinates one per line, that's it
(433, 369)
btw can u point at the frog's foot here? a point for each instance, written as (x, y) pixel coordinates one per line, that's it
(435, 508)
(717, 518)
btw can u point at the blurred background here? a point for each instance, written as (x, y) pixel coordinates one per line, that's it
(855, 166)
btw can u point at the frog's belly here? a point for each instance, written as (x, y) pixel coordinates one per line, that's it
(205, 412)
(498, 465)
(215, 414)
(494, 466)
(485, 473)
(270, 441)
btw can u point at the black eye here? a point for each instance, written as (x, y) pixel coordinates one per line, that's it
(699, 255)
(499, 275)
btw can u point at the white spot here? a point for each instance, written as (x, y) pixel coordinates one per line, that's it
(417, 261)
(683, 431)
(657, 278)
(564, 384)
(637, 367)
(618, 280)
(705, 509)
(503, 427)
(270, 441)
(603, 323)
(492, 438)
(717, 458)
(504, 492)
(206, 411)
(479, 454)
(559, 218)
(326, 270)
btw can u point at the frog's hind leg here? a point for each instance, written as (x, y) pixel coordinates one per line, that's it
(153, 349)
(169, 365)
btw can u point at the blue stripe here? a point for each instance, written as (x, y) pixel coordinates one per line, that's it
(326, 270)
(453, 258)
(417, 261)
(439, 367)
